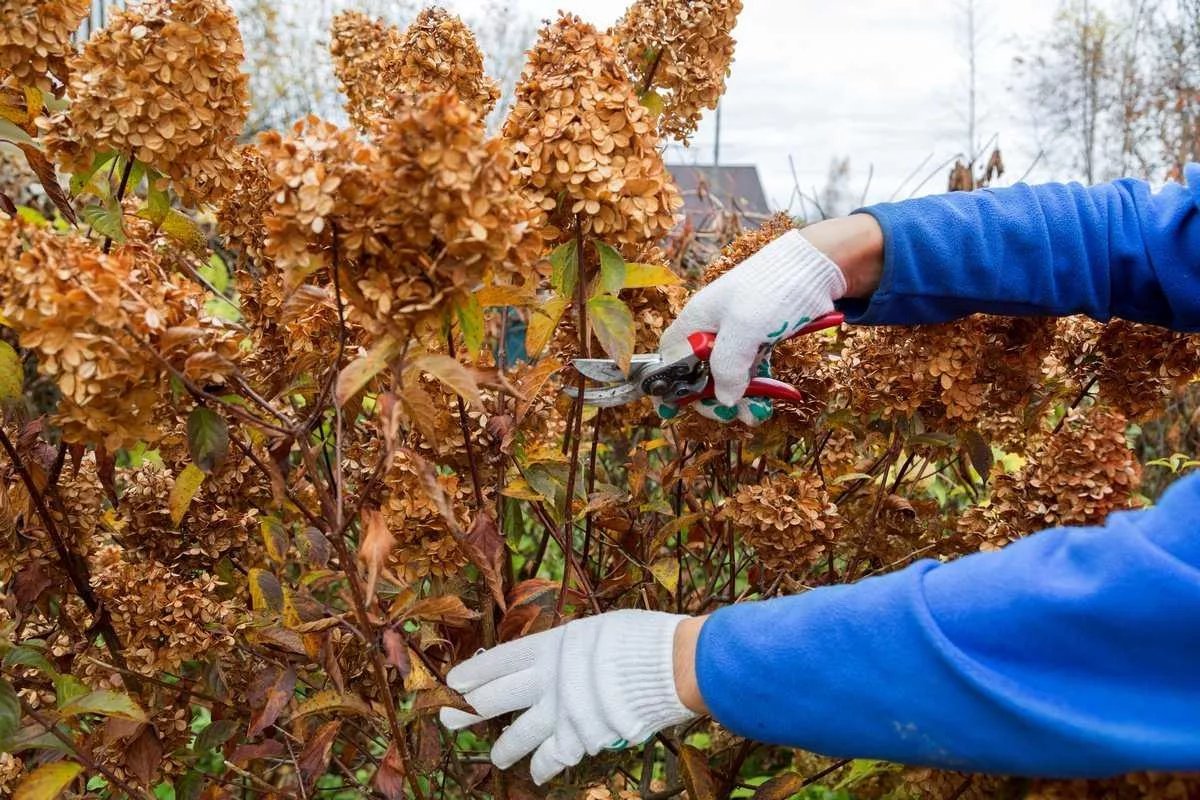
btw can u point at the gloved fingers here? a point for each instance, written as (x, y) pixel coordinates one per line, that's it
(501, 660)
(545, 764)
(507, 693)
(702, 313)
(734, 357)
(455, 720)
(750, 411)
(521, 738)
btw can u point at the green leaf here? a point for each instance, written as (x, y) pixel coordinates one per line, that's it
(158, 205)
(185, 488)
(653, 101)
(612, 269)
(24, 656)
(48, 781)
(12, 374)
(81, 180)
(10, 710)
(565, 273)
(208, 438)
(106, 703)
(11, 132)
(67, 689)
(469, 314)
(105, 221)
(646, 276)
(612, 323)
(33, 216)
(215, 273)
(358, 373)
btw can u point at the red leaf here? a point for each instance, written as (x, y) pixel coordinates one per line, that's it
(8, 205)
(144, 756)
(243, 754)
(485, 548)
(397, 652)
(29, 583)
(45, 173)
(278, 691)
(517, 622)
(389, 778)
(314, 759)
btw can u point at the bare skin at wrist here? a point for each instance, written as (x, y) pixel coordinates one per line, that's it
(855, 244)
(687, 635)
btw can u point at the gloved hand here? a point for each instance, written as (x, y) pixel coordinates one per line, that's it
(598, 683)
(763, 300)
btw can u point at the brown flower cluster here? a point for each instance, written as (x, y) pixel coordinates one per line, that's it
(240, 215)
(1077, 477)
(788, 520)
(375, 63)
(1142, 365)
(423, 215)
(163, 618)
(682, 48)
(587, 150)
(91, 319)
(36, 40)
(163, 83)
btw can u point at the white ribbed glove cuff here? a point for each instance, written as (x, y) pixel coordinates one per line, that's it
(794, 266)
(634, 672)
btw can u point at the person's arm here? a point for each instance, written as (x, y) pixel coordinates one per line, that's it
(1075, 652)
(1113, 250)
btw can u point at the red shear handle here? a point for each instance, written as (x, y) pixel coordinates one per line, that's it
(759, 387)
(703, 342)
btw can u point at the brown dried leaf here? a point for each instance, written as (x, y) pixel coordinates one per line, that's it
(389, 778)
(44, 170)
(396, 651)
(143, 757)
(780, 788)
(485, 547)
(453, 374)
(277, 692)
(314, 759)
(445, 610)
(697, 776)
(375, 547)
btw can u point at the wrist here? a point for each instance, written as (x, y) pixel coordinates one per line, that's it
(687, 686)
(855, 244)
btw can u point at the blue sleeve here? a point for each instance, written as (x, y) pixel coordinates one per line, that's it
(1114, 250)
(1073, 653)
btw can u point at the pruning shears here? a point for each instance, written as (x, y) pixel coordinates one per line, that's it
(679, 382)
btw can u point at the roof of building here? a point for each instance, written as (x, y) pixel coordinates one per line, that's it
(735, 187)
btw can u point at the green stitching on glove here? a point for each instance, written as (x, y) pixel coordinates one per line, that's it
(761, 410)
(779, 332)
(802, 322)
(725, 413)
(667, 411)
(619, 744)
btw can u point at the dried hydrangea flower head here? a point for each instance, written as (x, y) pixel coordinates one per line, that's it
(450, 213)
(240, 215)
(423, 215)
(376, 63)
(163, 82)
(682, 48)
(35, 39)
(586, 148)
(365, 52)
(788, 520)
(89, 317)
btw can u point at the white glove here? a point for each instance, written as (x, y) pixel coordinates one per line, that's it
(765, 299)
(598, 683)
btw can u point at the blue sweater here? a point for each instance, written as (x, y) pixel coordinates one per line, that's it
(1072, 653)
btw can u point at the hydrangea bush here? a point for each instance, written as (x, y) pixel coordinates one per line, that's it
(276, 455)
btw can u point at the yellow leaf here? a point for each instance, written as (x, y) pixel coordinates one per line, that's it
(673, 527)
(331, 700)
(653, 101)
(265, 592)
(419, 678)
(645, 276)
(542, 323)
(47, 781)
(12, 373)
(105, 703)
(612, 323)
(469, 313)
(275, 538)
(33, 101)
(186, 485)
(519, 489)
(453, 374)
(358, 373)
(496, 296)
(183, 229)
(666, 572)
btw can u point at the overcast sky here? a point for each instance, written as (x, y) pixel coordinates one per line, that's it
(880, 81)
